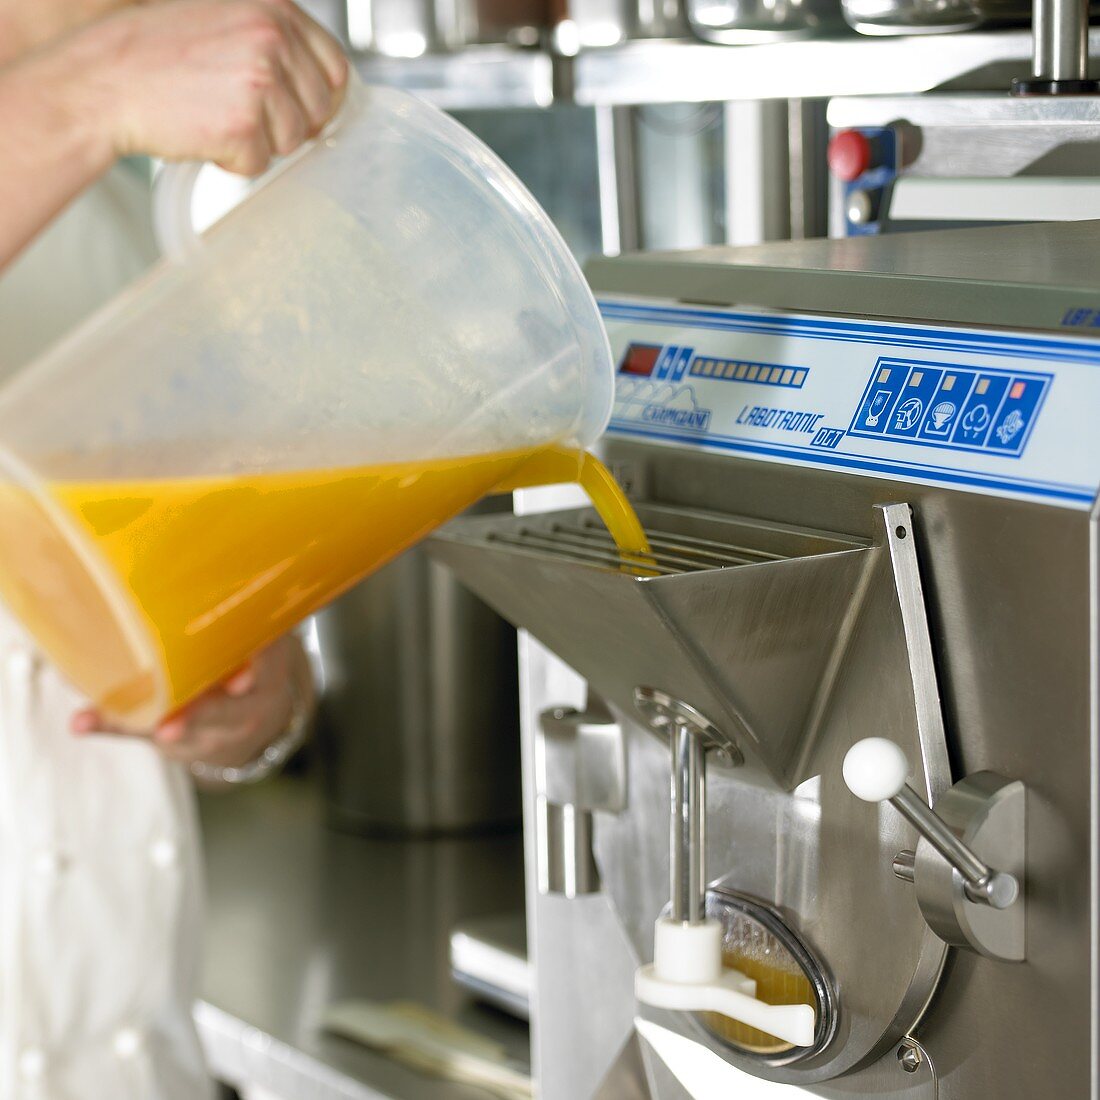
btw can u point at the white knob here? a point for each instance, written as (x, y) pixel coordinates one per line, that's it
(875, 769)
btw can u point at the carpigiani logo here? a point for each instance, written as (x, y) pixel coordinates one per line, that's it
(659, 404)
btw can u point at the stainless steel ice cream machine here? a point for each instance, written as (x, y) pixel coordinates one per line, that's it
(811, 796)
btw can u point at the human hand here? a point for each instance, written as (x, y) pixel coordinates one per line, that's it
(231, 725)
(236, 82)
(25, 26)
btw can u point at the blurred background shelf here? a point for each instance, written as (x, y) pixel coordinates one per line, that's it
(472, 78)
(674, 71)
(682, 72)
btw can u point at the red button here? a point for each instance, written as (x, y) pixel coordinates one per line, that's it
(849, 155)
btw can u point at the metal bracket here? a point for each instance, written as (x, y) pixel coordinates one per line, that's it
(968, 868)
(580, 768)
(989, 815)
(664, 714)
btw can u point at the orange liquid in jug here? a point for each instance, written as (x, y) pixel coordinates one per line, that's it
(175, 581)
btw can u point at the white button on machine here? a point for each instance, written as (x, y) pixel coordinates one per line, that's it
(164, 853)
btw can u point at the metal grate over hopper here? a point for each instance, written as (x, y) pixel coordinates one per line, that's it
(586, 541)
(739, 617)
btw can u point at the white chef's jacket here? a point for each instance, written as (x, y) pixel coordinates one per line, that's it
(99, 862)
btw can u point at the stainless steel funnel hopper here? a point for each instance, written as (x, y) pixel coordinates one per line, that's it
(741, 618)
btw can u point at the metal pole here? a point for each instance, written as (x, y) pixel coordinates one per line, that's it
(1061, 33)
(689, 812)
(757, 173)
(617, 179)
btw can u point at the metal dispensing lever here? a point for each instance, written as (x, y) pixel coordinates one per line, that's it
(876, 770)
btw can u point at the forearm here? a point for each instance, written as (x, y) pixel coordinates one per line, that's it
(51, 144)
(27, 25)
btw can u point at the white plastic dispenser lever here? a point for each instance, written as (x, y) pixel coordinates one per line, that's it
(687, 975)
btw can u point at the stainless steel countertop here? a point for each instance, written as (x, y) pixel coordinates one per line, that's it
(300, 917)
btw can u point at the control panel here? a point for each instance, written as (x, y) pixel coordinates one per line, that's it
(937, 406)
(1007, 413)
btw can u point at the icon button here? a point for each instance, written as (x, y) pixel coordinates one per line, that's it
(916, 395)
(1014, 418)
(878, 402)
(975, 422)
(945, 408)
(972, 428)
(941, 417)
(878, 407)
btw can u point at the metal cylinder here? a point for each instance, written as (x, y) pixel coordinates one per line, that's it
(689, 814)
(1061, 39)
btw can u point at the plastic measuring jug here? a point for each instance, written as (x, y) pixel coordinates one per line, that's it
(381, 333)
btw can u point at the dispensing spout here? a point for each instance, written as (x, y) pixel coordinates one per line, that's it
(687, 973)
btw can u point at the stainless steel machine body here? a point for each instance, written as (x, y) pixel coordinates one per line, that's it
(868, 468)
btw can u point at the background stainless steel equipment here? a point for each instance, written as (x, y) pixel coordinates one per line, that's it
(393, 28)
(1061, 54)
(823, 576)
(1060, 31)
(884, 17)
(411, 28)
(738, 22)
(597, 24)
(489, 959)
(927, 162)
(300, 917)
(418, 719)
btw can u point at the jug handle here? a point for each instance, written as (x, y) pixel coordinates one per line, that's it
(174, 186)
(173, 223)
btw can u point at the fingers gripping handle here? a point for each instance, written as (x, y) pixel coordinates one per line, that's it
(174, 187)
(876, 770)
